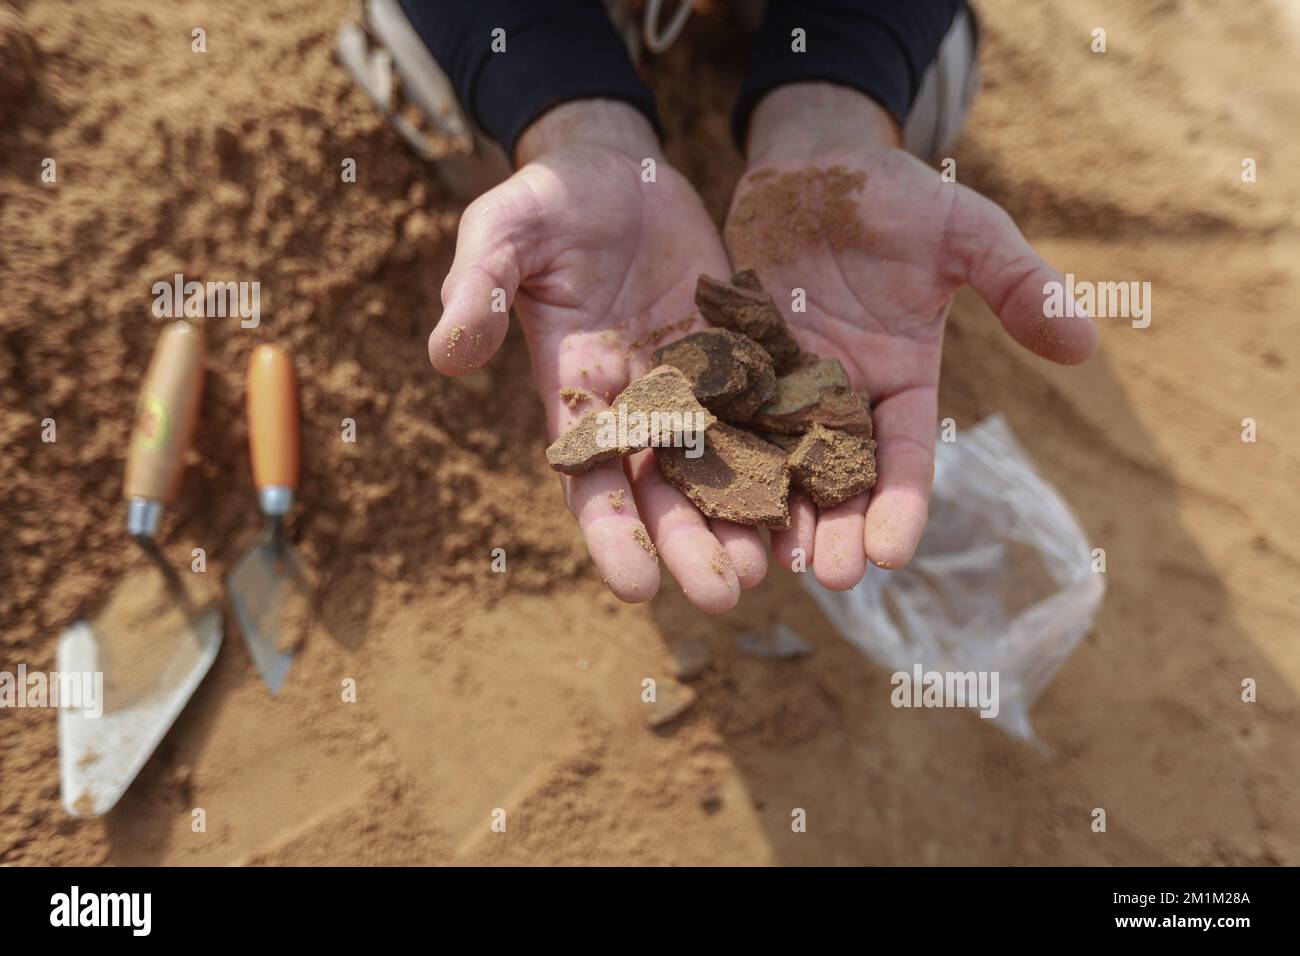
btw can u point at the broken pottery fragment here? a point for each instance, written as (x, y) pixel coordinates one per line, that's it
(786, 442)
(833, 466)
(739, 478)
(750, 312)
(730, 374)
(578, 450)
(818, 393)
(659, 408)
(748, 279)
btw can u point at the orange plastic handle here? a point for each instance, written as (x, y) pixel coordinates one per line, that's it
(272, 418)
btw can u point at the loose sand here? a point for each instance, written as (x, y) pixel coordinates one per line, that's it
(522, 690)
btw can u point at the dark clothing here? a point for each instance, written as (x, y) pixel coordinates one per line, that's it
(560, 50)
(879, 47)
(556, 50)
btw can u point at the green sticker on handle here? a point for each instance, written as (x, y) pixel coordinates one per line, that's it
(153, 423)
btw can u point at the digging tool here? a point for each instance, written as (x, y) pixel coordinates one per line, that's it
(268, 585)
(133, 670)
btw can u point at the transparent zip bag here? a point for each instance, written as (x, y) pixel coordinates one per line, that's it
(1002, 581)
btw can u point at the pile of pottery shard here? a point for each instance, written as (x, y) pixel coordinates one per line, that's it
(771, 414)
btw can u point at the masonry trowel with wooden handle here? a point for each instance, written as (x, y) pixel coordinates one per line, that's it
(125, 678)
(268, 586)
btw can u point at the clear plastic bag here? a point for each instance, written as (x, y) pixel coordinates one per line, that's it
(1002, 581)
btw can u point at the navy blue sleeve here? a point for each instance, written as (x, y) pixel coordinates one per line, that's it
(879, 47)
(555, 51)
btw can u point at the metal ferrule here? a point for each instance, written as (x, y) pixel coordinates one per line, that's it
(276, 500)
(143, 515)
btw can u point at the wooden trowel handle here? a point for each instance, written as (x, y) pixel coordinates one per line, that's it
(165, 414)
(273, 418)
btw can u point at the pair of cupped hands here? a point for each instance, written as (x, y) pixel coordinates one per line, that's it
(593, 259)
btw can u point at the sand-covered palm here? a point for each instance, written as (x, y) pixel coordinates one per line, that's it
(599, 260)
(879, 243)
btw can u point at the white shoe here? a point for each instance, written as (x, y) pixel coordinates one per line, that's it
(395, 69)
(946, 92)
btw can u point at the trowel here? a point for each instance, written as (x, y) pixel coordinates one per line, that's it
(125, 678)
(268, 586)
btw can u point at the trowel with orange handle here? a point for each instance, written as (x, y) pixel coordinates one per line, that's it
(125, 679)
(268, 584)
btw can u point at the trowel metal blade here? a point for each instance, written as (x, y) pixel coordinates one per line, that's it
(103, 744)
(258, 587)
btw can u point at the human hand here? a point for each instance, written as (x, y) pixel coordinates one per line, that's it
(880, 243)
(600, 268)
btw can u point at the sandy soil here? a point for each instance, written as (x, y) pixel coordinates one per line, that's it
(520, 691)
